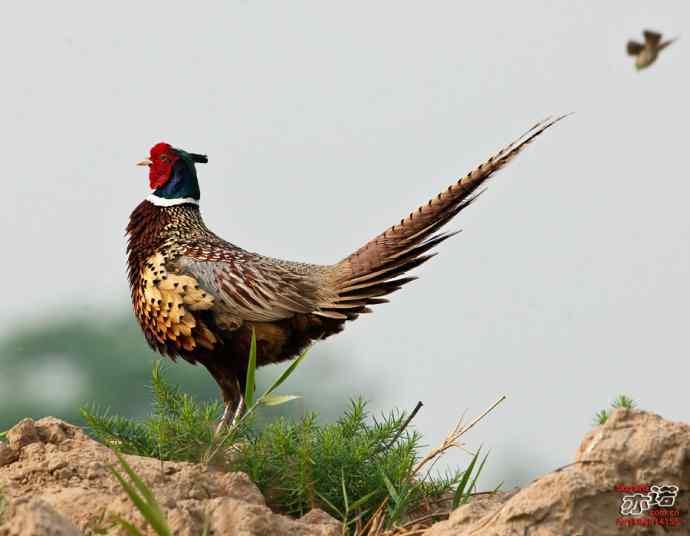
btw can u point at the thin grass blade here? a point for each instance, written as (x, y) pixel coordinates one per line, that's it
(146, 502)
(251, 373)
(359, 502)
(286, 373)
(131, 529)
(139, 503)
(476, 475)
(345, 498)
(460, 495)
(331, 505)
(276, 400)
(391, 488)
(145, 491)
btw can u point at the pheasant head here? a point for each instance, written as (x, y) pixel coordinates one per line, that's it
(172, 174)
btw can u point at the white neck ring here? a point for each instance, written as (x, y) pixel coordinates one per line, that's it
(163, 202)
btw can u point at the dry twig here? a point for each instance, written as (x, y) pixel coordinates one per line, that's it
(405, 425)
(376, 524)
(451, 439)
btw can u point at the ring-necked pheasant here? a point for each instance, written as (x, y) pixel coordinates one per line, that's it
(198, 296)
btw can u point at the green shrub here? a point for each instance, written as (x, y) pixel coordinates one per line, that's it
(356, 468)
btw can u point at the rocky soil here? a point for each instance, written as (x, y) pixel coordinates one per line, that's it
(633, 448)
(56, 482)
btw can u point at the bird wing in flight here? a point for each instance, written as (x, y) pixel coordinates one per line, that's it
(663, 45)
(651, 38)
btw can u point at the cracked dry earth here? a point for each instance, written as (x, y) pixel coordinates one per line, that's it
(56, 483)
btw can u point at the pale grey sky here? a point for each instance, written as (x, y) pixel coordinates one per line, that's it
(326, 122)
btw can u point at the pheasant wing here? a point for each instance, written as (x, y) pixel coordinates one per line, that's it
(249, 287)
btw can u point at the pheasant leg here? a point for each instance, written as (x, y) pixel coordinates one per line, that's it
(230, 416)
(239, 411)
(225, 418)
(231, 391)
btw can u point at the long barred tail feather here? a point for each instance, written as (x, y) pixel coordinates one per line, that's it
(369, 273)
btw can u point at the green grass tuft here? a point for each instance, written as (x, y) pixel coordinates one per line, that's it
(180, 428)
(621, 401)
(347, 468)
(463, 492)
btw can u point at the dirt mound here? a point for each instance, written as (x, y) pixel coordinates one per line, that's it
(605, 492)
(57, 483)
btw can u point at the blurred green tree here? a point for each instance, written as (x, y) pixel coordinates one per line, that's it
(53, 367)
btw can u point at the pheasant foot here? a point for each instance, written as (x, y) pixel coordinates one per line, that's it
(231, 417)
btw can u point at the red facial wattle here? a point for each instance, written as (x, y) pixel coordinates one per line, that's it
(163, 158)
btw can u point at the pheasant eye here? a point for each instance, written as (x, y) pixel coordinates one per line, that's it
(164, 158)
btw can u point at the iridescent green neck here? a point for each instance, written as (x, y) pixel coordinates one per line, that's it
(183, 186)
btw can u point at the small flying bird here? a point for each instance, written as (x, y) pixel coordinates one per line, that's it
(199, 297)
(646, 54)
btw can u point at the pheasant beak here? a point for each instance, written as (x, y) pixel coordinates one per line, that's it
(145, 162)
